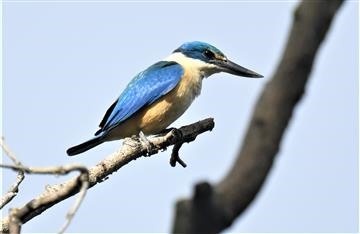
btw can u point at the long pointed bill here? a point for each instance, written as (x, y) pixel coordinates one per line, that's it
(235, 69)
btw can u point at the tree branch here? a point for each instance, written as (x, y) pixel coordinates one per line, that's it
(97, 174)
(214, 208)
(14, 188)
(82, 182)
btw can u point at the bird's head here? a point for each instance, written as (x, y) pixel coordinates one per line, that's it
(211, 60)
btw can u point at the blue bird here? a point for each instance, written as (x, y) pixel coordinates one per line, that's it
(159, 95)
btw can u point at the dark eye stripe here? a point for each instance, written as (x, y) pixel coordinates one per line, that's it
(209, 54)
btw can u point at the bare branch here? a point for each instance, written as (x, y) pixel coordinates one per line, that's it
(55, 170)
(83, 179)
(175, 158)
(214, 208)
(98, 173)
(8, 152)
(14, 188)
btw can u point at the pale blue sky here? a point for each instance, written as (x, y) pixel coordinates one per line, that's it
(65, 63)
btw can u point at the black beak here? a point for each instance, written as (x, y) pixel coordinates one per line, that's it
(235, 69)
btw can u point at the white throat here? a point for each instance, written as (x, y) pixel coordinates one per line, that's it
(204, 69)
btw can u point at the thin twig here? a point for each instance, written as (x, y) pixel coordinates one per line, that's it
(14, 188)
(8, 152)
(16, 214)
(175, 156)
(56, 193)
(72, 211)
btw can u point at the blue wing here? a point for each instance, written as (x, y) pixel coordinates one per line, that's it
(144, 89)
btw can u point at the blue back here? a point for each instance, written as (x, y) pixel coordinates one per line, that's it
(143, 90)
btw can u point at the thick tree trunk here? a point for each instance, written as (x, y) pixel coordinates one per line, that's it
(214, 208)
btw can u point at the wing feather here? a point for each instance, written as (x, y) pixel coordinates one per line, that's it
(145, 88)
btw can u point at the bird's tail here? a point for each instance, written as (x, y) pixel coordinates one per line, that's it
(78, 149)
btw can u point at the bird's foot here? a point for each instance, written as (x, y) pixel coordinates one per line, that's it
(150, 147)
(133, 141)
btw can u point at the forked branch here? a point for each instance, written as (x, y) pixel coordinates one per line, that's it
(56, 193)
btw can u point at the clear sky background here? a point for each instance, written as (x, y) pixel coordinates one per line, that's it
(66, 62)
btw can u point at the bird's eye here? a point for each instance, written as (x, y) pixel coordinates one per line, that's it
(209, 54)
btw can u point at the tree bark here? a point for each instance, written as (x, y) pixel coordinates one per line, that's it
(55, 194)
(214, 207)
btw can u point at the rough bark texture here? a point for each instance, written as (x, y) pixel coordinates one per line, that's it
(131, 150)
(214, 208)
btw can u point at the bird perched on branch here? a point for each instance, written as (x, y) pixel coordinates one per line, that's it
(159, 95)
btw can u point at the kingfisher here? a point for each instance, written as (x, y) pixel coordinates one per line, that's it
(159, 95)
